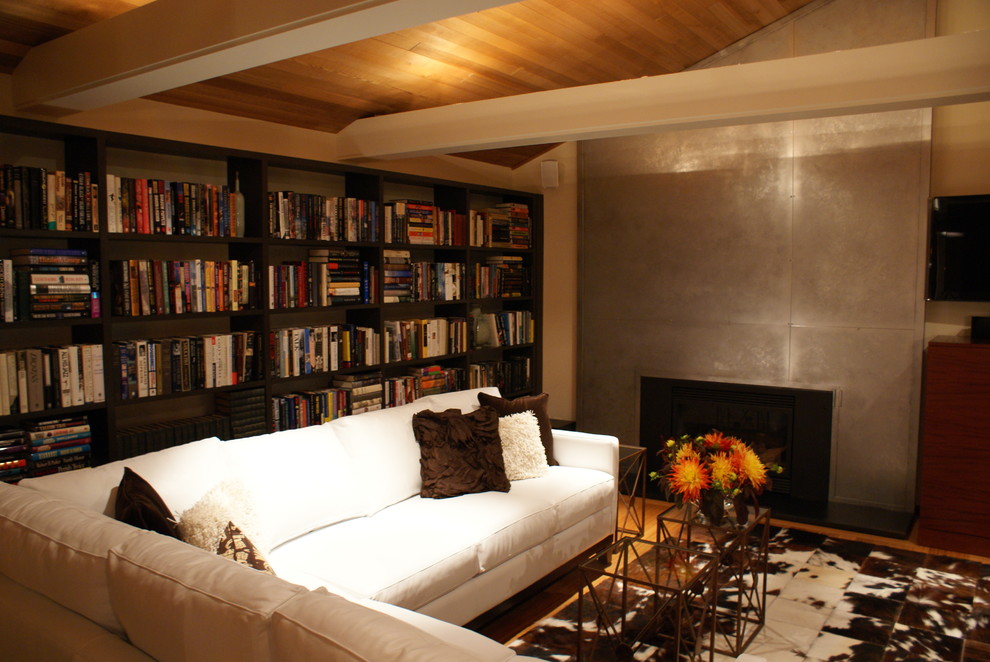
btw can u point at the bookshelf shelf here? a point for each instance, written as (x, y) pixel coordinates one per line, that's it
(116, 157)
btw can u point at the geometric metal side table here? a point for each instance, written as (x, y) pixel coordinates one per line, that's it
(647, 600)
(741, 582)
(631, 514)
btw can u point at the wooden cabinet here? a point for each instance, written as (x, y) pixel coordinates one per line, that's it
(955, 447)
(261, 176)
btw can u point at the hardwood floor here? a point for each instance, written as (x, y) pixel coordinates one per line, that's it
(552, 597)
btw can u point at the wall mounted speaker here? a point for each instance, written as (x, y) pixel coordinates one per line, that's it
(549, 174)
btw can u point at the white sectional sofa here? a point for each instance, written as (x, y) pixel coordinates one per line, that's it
(365, 568)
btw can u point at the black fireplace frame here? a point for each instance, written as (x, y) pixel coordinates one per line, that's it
(810, 460)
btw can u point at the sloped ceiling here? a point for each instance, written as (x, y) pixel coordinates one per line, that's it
(501, 51)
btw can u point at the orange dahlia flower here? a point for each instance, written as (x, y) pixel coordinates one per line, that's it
(718, 441)
(749, 466)
(688, 477)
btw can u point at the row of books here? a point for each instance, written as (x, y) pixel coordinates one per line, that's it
(170, 365)
(305, 350)
(157, 206)
(420, 382)
(510, 376)
(44, 447)
(501, 276)
(33, 198)
(363, 389)
(162, 287)
(245, 408)
(140, 439)
(311, 216)
(304, 408)
(329, 277)
(423, 223)
(39, 378)
(347, 395)
(505, 225)
(503, 328)
(423, 338)
(48, 283)
(404, 280)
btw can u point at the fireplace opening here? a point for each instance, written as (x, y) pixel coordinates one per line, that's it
(788, 426)
(764, 421)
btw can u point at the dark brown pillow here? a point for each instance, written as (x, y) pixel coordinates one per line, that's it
(534, 403)
(138, 504)
(236, 546)
(459, 453)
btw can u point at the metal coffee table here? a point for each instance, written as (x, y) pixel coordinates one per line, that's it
(640, 597)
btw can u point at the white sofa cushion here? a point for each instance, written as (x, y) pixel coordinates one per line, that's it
(179, 603)
(498, 524)
(35, 628)
(322, 626)
(180, 475)
(300, 480)
(479, 645)
(397, 556)
(575, 493)
(385, 453)
(60, 550)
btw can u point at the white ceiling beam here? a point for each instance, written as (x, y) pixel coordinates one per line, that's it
(929, 72)
(169, 43)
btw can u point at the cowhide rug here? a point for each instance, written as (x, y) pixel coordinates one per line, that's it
(830, 600)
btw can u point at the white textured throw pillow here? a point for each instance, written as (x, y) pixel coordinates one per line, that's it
(203, 524)
(522, 449)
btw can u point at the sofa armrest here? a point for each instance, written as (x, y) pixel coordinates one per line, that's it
(587, 450)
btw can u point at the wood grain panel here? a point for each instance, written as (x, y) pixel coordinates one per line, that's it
(514, 49)
(955, 451)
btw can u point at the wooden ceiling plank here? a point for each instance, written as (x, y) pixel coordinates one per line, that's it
(529, 42)
(642, 53)
(197, 41)
(693, 15)
(736, 24)
(355, 104)
(243, 101)
(388, 69)
(495, 55)
(512, 157)
(459, 65)
(599, 44)
(66, 15)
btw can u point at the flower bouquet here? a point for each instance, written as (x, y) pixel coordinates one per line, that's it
(711, 471)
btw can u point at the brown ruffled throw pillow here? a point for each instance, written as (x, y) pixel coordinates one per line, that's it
(236, 546)
(534, 403)
(138, 504)
(459, 453)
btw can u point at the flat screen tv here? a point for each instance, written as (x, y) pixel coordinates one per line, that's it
(959, 248)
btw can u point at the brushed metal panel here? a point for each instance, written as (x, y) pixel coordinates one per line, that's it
(705, 213)
(629, 348)
(858, 222)
(874, 455)
(784, 254)
(845, 24)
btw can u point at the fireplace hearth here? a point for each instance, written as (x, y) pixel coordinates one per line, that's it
(788, 426)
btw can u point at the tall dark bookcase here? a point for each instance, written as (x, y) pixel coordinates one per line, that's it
(34, 143)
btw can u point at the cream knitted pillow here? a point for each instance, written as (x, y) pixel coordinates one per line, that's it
(522, 449)
(204, 523)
